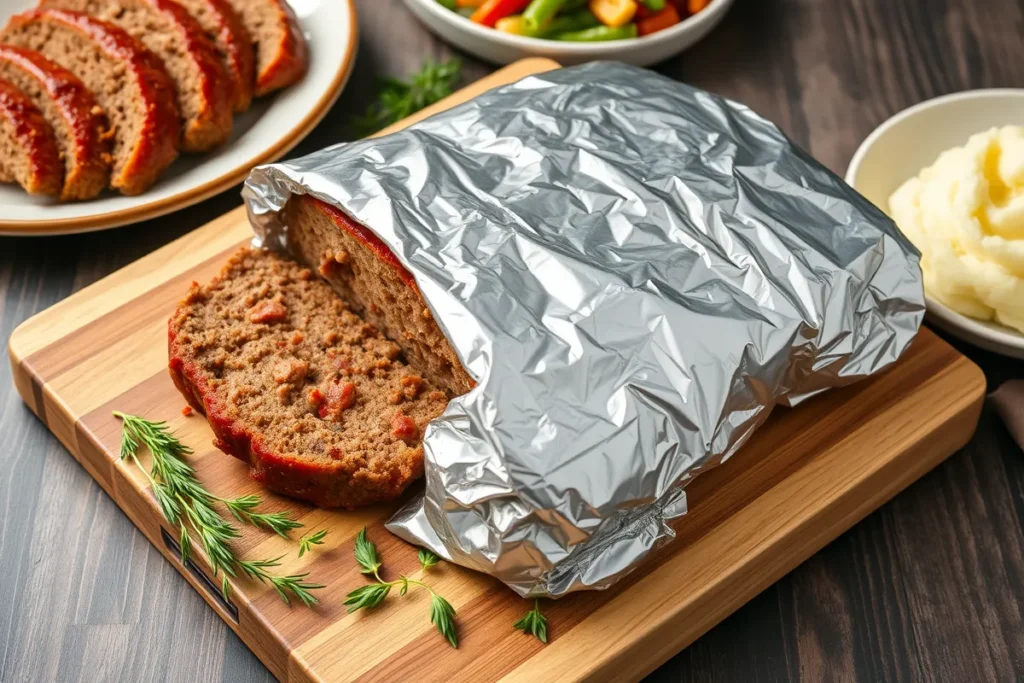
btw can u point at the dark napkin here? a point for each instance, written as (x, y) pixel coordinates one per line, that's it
(1008, 401)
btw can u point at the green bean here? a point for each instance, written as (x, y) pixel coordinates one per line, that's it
(573, 5)
(577, 21)
(538, 12)
(599, 33)
(654, 5)
(449, 4)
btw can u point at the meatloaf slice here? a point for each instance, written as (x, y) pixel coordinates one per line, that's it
(367, 275)
(28, 152)
(224, 27)
(78, 123)
(313, 398)
(169, 31)
(281, 52)
(129, 83)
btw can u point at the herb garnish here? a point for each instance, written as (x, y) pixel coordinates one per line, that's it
(534, 623)
(185, 503)
(307, 542)
(398, 99)
(442, 614)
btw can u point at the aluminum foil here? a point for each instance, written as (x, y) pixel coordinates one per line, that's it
(635, 272)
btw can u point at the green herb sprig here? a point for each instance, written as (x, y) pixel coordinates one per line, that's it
(442, 614)
(398, 99)
(307, 542)
(534, 623)
(184, 502)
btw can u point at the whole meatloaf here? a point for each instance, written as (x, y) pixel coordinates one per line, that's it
(128, 81)
(366, 274)
(78, 123)
(203, 87)
(28, 152)
(313, 398)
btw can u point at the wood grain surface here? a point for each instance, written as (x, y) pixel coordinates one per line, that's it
(928, 588)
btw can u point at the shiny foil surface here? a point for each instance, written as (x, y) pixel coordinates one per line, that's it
(636, 272)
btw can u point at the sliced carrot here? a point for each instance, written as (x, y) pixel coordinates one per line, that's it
(492, 10)
(469, 3)
(694, 6)
(657, 21)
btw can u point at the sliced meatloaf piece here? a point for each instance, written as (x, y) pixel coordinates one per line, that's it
(313, 398)
(281, 52)
(169, 31)
(28, 152)
(224, 27)
(367, 275)
(129, 83)
(77, 121)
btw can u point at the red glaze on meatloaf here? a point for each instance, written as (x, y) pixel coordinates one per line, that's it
(28, 152)
(234, 45)
(76, 119)
(202, 84)
(313, 398)
(368, 276)
(128, 81)
(281, 52)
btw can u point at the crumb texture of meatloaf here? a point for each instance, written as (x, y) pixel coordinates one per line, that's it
(28, 152)
(314, 398)
(77, 121)
(201, 82)
(366, 274)
(224, 27)
(128, 81)
(281, 52)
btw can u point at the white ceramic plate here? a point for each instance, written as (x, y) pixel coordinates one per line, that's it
(266, 132)
(911, 140)
(503, 48)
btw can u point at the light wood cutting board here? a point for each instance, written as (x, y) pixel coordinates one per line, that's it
(808, 475)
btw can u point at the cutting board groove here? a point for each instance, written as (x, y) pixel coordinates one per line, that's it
(808, 475)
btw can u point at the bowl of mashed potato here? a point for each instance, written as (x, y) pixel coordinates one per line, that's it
(950, 173)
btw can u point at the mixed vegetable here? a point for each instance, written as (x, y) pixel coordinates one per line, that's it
(577, 20)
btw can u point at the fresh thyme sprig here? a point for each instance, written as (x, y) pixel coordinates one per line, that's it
(185, 503)
(307, 542)
(442, 614)
(535, 623)
(242, 510)
(398, 99)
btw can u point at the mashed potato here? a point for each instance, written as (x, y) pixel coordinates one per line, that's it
(965, 213)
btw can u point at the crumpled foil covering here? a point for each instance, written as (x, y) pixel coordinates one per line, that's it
(636, 272)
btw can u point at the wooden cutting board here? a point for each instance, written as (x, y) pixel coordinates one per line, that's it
(808, 475)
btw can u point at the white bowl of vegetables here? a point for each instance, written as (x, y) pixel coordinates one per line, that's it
(640, 32)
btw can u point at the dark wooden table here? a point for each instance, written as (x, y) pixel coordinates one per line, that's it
(929, 588)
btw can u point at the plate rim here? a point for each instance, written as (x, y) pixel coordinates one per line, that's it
(194, 195)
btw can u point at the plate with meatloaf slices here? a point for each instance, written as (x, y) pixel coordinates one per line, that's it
(116, 111)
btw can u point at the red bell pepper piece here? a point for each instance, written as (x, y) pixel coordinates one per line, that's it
(658, 21)
(492, 10)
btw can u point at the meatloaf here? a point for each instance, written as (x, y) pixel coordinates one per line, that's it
(281, 52)
(28, 152)
(202, 84)
(314, 399)
(367, 276)
(234, 45)
(77, 121)
(128, 81)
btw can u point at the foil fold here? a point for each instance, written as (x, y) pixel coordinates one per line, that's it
(635, 272)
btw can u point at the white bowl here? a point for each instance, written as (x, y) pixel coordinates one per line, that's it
(503, 48)
(913, 139)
